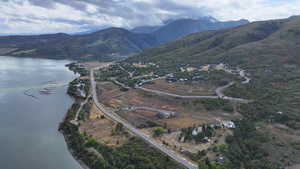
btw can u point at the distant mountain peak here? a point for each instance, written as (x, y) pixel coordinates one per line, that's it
(184, 26)
(106, 43)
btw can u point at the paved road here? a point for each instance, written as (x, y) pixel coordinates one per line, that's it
(243, 74)
(175, 95)
(121, 84)
(145, 137)
(219, 92)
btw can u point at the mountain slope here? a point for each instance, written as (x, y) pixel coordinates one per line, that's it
(182, 27)
(269, 52)
(112, 42)
(267, 42)
(145, 29)
(109, 43)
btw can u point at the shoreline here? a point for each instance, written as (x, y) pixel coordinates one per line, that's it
(66, 138)
(71, 150)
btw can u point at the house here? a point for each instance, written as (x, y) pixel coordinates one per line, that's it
(280, 113)
(229, 124)
(190, 69)
(220, 66)
(171, 79)
(196, 131)
(205, 68)
(139, 65)
(166, 114)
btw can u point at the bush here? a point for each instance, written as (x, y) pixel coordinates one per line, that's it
(157, 132)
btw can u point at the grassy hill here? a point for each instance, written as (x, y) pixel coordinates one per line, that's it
(108, 43)
(111, 43)
(183, 27)
(252, 45)
(270, 52)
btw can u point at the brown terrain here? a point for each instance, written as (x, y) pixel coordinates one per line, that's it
(102, 129)
(172, 139)
(95, 64)
(189, 111)
(180, 88)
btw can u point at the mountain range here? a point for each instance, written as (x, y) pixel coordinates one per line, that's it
(272, 43)
(269, 52)
(108, 43)
(178, 28)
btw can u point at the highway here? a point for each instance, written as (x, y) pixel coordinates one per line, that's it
(137, 132)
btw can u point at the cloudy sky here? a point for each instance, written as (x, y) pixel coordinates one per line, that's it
(50, 16)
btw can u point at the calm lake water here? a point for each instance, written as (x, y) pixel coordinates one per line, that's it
(28, 124)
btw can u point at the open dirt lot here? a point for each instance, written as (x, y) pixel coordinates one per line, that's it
(180, 88)
(189, 111)
(95, 64)
(101, 129)
(172, 140)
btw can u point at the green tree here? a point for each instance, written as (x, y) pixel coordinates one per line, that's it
(157, 132)
(202, 165)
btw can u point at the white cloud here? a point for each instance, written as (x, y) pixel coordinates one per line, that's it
(49, 16)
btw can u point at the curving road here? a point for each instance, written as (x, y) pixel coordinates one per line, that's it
(175, 95)
(243, 75)
(142, 135)
(219, 92)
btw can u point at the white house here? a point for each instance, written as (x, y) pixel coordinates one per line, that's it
(229, 124)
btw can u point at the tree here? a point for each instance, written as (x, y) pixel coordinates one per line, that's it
(157, 132)
(119, 127)
(202, 165)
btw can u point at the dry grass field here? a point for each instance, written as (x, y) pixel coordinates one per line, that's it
(189, 111)
(102, 129)
(180, 88)
(95, 64)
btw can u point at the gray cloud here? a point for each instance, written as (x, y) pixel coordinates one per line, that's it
(81, 15)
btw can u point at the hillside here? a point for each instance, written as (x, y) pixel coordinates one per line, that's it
(108, 43)
(111, 43)
(181, 27)
(269, 51)
(145, 29)
(257, 44)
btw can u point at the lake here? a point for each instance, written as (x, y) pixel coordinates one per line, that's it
(29, 138)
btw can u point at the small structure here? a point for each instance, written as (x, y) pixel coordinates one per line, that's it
(220, 66)
(166, 114)
(139, 65)
(205, 68)
(280, 112)
(229, 124)
(196, 131)
(190, 69)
